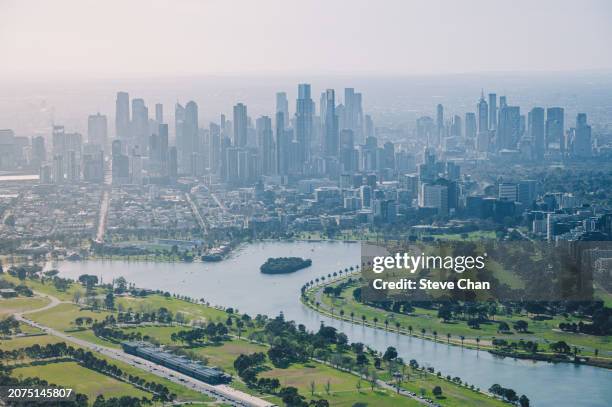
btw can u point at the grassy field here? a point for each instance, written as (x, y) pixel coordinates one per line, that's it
(183, 393)
(19, 304)
(82, 380)
(190, 310)
(48, 288)
(542, 331)
(24, 342)
(62, 316)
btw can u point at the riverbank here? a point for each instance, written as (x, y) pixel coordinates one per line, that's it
(344, 308)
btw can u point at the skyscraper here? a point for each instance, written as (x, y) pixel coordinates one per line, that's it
(159, 113)
(163, 147)
(353, 114)
(470, 125)
(139, 124)
(483, 138)
(97, 130)
(240, 125)
(536, 131)
(583, 147)
(439, 123)
(122, 116)
(265, 146)
(190, 138)
(492, 111)
(331, 137)
(282, 105)
(282, 154)
(555, 127)
(508, 127)
(303, 122)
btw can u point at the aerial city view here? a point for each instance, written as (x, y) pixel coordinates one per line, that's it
(339, 203)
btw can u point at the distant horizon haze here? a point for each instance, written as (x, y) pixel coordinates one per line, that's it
(159, 38)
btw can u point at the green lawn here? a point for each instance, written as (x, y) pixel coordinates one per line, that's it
(541, 331)
(26, 341)
(190, 310)
(82, 380)
(62, 316)
(19, 304)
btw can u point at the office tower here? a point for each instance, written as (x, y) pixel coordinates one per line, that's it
(369, 126)
(482, 109)
(347, 154)
(265, 144)
(240, 125)
(172, 162)
(282, 105)
(456, 127)
(503, 102)
(122, 116)
(140, 122)
(492, 111)
(330, 136)
(214, 161)
(536, 131)
(365, 193)
(8, 149)
(304, 123)
(58, 169)
(508, 127)
(97, 130)
(163, 148)
(190, 137)
(93, 167)
(483, 138)
(39, 151)
(282, 154)
(116, 147)
(582, 145)
(159, 113)
(434, 196)
(527, 192)
(353, 114)
(439, 124)
(555, 127)
(470, 125)
(507, 191)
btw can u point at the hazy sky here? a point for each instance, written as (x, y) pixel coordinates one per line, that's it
(132, 37)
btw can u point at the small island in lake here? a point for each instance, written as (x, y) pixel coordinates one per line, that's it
(283, 265)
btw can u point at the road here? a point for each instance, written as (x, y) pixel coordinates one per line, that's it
(221, 393)
(219, 203)
(196, 213)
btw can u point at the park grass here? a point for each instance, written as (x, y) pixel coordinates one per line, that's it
(62, 316)
(20, 304)
(48, 288)
(542, 331)
(191, 310)
(82, 380)
(453, 395)
(26, 341)
(223, 355)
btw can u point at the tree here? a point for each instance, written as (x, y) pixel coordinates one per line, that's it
(524, 401)
(390, 354)
(521, 326)
(327, 387)
(312, 388)
(109, 301)
(437, 391)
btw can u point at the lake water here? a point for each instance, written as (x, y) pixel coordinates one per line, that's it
(237, 282)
